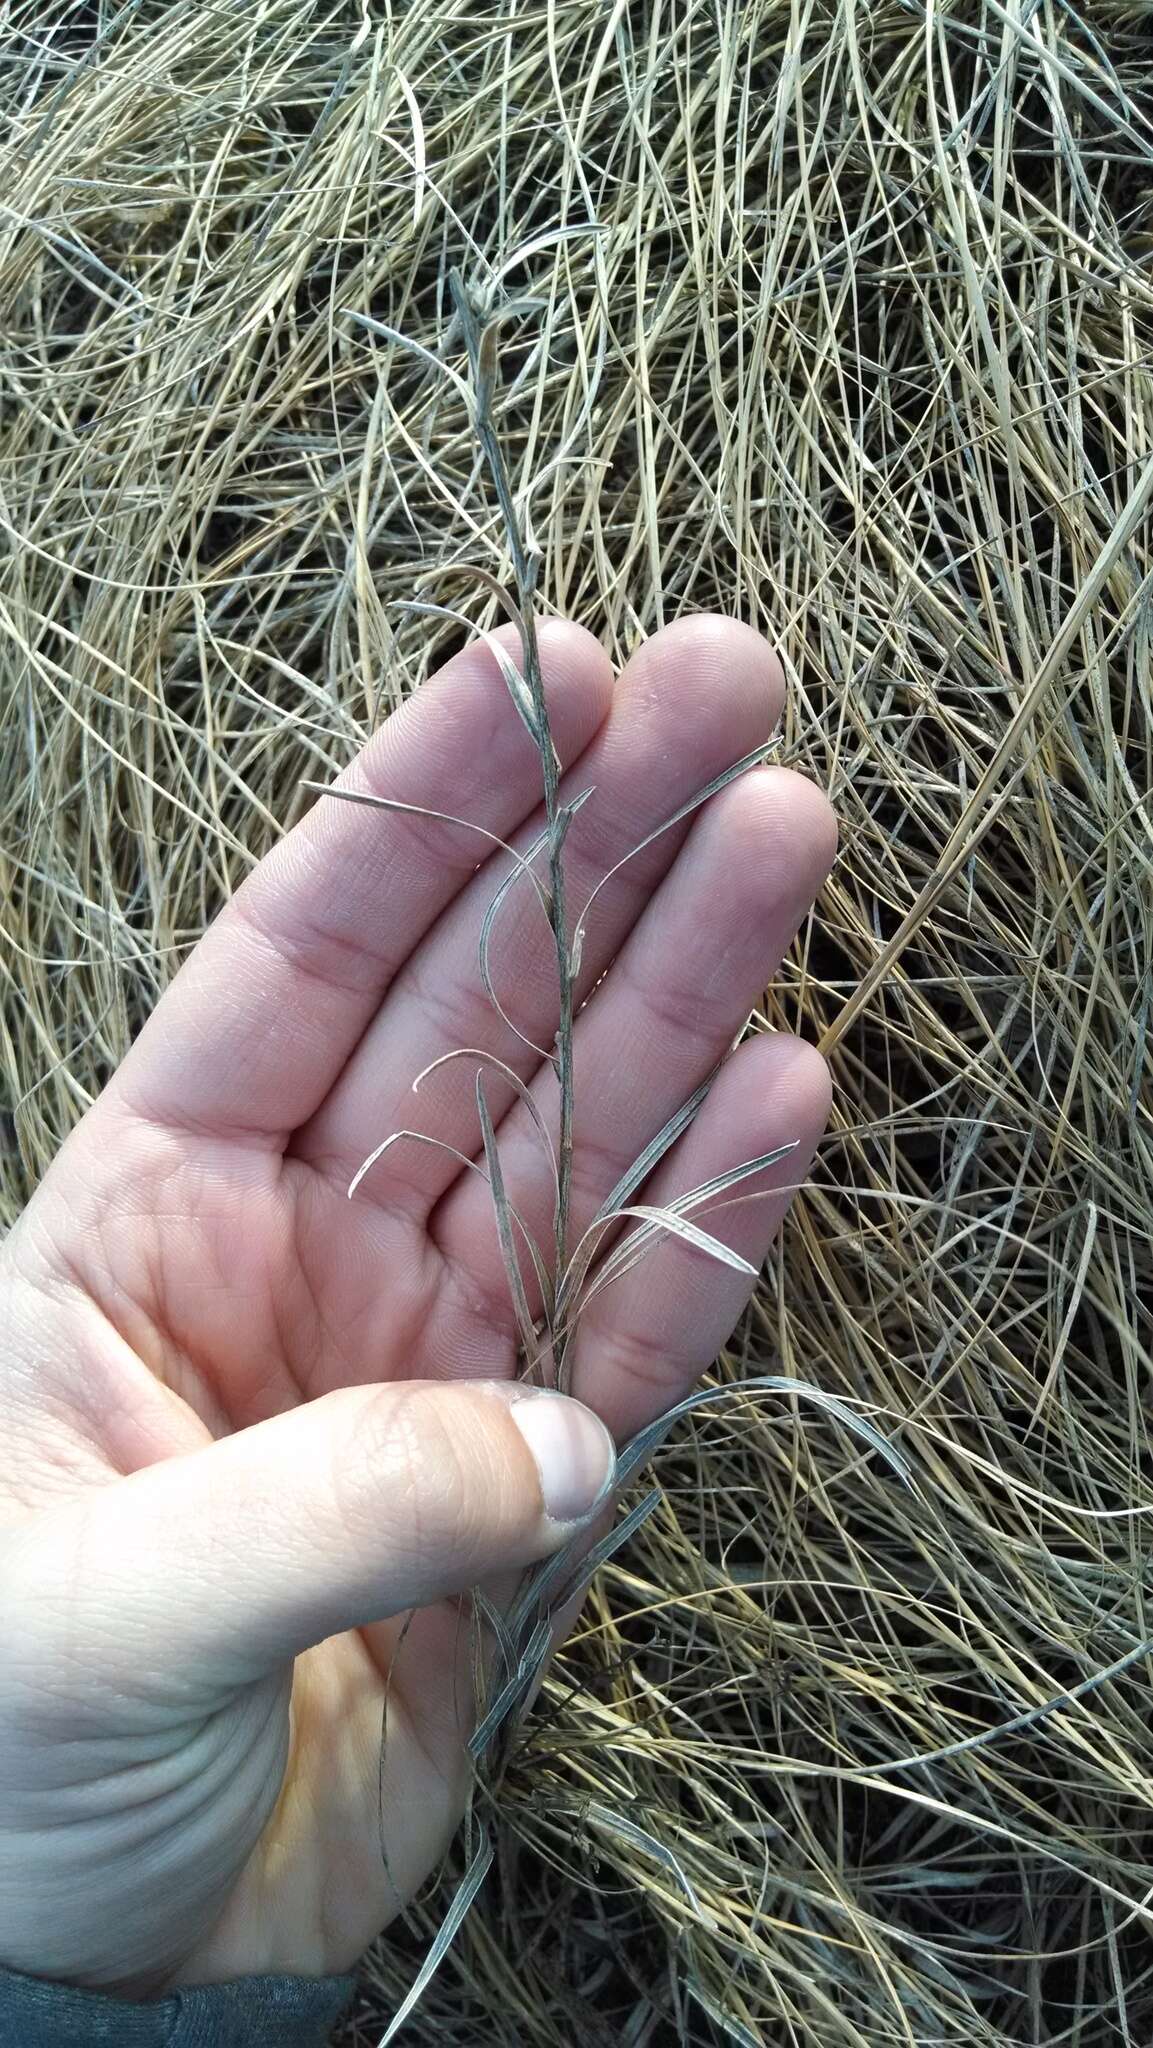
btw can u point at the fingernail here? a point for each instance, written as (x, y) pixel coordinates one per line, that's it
(575, 1455)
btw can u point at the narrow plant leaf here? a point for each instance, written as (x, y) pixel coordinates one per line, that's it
(499, 897)
(447, 1932)
(489, 987)
(515, 1688)
(575, 1274)
(692, 1234)
(576, 1271)
(542, 1584)
(419, 146)
(642, 1446)
(515, 683)
(477, 574)
(492, 1618)
(547, 239)
(626, 1255)
(735, 2029)
(473, 1165)
(1018, 1722)
(417, 1138)
(522, 867)
(382, 1759)
(526, 306)
(411, 347)
(629, 1831)
(515, 1080)
(504, 1229)
(392, 803)
(733, 1176)
(711, 789)
(655, 1150)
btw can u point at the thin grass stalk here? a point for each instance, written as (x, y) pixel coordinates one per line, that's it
(863, 354)
(480, 339)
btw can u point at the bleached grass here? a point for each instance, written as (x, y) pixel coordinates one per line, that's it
(860, 351)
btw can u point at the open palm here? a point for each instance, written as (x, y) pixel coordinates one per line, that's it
(243, 1435)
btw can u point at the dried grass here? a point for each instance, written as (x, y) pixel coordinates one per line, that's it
(862, 353)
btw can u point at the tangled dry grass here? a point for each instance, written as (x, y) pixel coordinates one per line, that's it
(860, 351)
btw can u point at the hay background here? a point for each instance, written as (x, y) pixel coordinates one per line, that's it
(862, 354)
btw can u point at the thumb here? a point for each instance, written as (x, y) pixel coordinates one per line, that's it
(205, 1572)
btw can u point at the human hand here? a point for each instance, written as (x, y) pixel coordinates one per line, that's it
(250, 1423)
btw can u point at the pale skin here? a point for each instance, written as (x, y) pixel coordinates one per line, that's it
(250, 1424)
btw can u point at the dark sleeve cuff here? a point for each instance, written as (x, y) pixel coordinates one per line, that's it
(253, 2012)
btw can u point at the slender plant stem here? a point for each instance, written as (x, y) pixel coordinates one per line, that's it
(480, 337)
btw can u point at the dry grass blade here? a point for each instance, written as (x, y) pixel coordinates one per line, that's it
(862, 351)
(499, 899)
(514, 681)
(648, 1160)
(639, 1838)
(688, 1233)
(728, 775)
(519, 1087)
(558, 1581)
(397, 339)
(467, 1890)
(523, 862)
(625, 1255)
(523, 1672)
(504, 1225)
